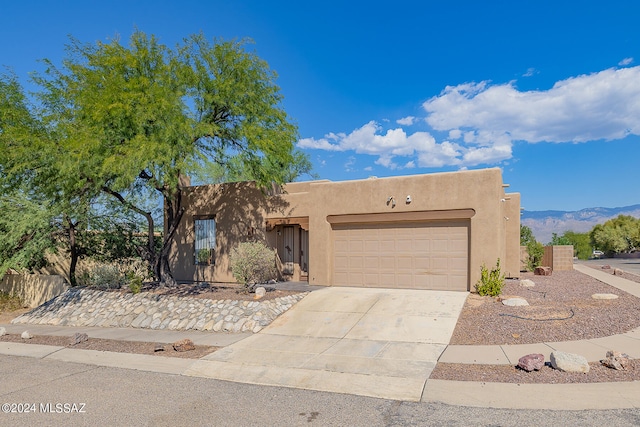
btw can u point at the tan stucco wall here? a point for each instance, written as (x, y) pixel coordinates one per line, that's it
(241, 205)
(33, 289)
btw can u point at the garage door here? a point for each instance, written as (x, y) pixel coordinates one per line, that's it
(426, 255)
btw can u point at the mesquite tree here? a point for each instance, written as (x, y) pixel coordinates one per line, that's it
(133, 120)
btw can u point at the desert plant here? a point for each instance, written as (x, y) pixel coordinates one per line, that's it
(134, 282)
(104, 277)
(491, 282)
(252, 263)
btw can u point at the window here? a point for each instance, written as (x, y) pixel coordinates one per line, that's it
(205, 243)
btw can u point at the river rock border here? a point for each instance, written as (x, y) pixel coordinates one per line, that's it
(89, 307)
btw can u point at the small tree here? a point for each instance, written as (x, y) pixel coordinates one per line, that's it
(535, 249)
(491, 281)
(252, 263)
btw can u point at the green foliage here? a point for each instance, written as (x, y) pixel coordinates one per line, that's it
(115, 275)
(103, 277)
(203, 256)
(617, 235)
(252, 263)
(491, 281)
(134, 283)
(132, 120)
(535, 249)
(580, 242)
(26, 232)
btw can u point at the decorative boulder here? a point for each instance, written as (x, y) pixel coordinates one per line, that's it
(260, 292)
(527, 283)
(3, 331)
(542, 271)
(616, 360)
(78, 338)
(606, 267)
(531, 362)
(26, 335)
(617, 272)
(184, 345)
(515, 302)
(569, 362)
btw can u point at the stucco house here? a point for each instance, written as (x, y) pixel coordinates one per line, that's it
(431, 231)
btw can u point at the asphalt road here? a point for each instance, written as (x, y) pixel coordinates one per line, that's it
(631, 265)
(111, 396)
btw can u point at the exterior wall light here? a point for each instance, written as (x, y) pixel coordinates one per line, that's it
(391, 200)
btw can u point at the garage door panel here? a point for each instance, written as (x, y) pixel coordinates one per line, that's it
(404, 262)
(387, 262)
(430, 255)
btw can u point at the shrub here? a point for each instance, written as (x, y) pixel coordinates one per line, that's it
(104, 277)
(252, 263)
(491, 282)
(114, 275)
(135, 283)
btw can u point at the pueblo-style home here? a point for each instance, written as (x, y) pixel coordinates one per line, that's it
(431, 231)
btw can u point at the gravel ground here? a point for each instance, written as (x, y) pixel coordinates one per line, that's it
(561, 309)
(135, 347)
(547, 375)
(563, 295)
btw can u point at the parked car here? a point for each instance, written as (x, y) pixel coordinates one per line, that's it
(597, 254)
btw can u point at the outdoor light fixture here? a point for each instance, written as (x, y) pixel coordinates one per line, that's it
(391, 200)
(408, 199)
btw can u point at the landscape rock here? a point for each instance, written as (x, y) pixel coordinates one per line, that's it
(260, 292)
(617, 272)
(158, 347)
(515, 302)
(604, 296)
(78, 338)
(527, 283)
(26, 335)
(3, 331)
(82, 307)
(606, 267)
(616, 360)
(184, 345)
(531, 362)
(569, 362)
(542, 271)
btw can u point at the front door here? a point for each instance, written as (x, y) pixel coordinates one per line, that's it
(287, 255)
(304, 254)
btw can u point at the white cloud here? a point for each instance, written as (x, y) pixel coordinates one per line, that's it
(625, 62)
(482, 121)
(530, 72)
(406, 121)
(604, 105)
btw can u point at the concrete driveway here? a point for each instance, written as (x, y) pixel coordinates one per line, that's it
(371, 342)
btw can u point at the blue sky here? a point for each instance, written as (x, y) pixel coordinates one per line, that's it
(549, 91)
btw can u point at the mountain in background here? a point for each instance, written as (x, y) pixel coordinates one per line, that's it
(544, 223)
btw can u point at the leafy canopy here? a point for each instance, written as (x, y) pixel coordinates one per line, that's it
(133, 120)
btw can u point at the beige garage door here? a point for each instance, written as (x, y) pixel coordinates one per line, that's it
(427, 255)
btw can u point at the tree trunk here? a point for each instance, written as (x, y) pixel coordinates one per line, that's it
(149, 253)
(162, 264)
(73, 249)
(173, 215)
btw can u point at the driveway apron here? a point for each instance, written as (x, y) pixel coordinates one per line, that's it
(371, 342)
